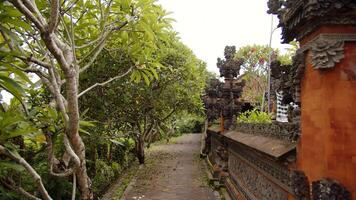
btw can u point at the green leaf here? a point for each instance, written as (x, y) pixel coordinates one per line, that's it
(83, 131)
(154, 72)
(17, 72)
(11, 86)
(86, 123)
(136, 76)
(146, 79)
(117, 142)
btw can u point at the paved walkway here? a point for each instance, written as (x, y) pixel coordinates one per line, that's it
(172, 172)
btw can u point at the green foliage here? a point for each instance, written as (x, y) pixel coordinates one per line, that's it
(254, 116)
(133, 104)
(255, 69)
(104, 174)
(165, 79)
(189, 123)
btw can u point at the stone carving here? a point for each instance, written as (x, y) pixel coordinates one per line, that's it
(223, 98)
(279, 173)
(287, 78)
(255, 183)
(326, 50)
(235, 184)
(212, 101)
(229, 67)
(278, 130)
(298, 66)
(328, 189)
(326, 53)
(274, 6)
(300, 185)
(300, 17)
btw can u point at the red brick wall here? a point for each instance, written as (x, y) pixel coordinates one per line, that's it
(328, 143)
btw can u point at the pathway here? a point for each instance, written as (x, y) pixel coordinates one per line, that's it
(172, 172)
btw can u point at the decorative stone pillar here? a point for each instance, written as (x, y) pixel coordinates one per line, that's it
(231, 90)
(326, 75)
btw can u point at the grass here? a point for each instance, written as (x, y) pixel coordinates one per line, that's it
(125, 181)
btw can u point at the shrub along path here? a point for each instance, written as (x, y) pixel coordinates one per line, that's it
(172, 171)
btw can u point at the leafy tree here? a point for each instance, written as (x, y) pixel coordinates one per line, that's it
(255, 69)
(57, 41)
(143, 106)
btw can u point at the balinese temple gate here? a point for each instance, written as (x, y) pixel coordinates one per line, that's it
(313, 156)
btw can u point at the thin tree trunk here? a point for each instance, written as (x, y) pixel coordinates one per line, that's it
(76, 141)
(140, 150)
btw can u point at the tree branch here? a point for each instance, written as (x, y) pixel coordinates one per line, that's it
(31, 5)
(52, 159)
(74, 186)
(69, 7)
(170, 114)
(93, 54)
(30, 69)
(31, 59)
(11, 185)
(29, 169)
(53, 20)
(24, 10)
(104, 83)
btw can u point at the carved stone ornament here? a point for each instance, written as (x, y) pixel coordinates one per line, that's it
(326, 53)
(328, 189)
(300, 185)
(327, 49)
(274, 6)
(255, 185)
(299, 18)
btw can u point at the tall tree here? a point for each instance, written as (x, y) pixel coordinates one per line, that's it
(57, 41)
(255, 69)
(142, 104)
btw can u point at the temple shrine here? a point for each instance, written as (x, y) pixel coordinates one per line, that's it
(313, 155)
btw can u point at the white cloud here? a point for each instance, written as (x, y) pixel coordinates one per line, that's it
(207, 26)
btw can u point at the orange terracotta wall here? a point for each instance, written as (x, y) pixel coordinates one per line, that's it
(328, 143)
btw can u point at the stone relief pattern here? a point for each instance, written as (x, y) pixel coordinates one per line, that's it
(326, 53)
(256, 183)
(328, 189)
(278, 172)
(296, 13)
(278, 130)
(241, 190)
(215, 143)
(300, 185)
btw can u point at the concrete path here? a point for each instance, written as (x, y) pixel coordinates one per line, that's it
(172, 172)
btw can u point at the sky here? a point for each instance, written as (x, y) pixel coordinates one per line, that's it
(207, 26)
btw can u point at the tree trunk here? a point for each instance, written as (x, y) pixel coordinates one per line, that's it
(140, 150)
(76, 141)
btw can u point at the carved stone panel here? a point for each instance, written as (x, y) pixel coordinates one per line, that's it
(300, 185)
(253, 184)
(260, 162)
(327, 49)
(326, 53)
(298, 18)
(328, 189)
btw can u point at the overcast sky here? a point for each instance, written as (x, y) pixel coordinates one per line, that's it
(207, 26)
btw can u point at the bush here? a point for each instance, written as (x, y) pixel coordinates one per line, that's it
(254, 116)
(103, 176)
(189, 124)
